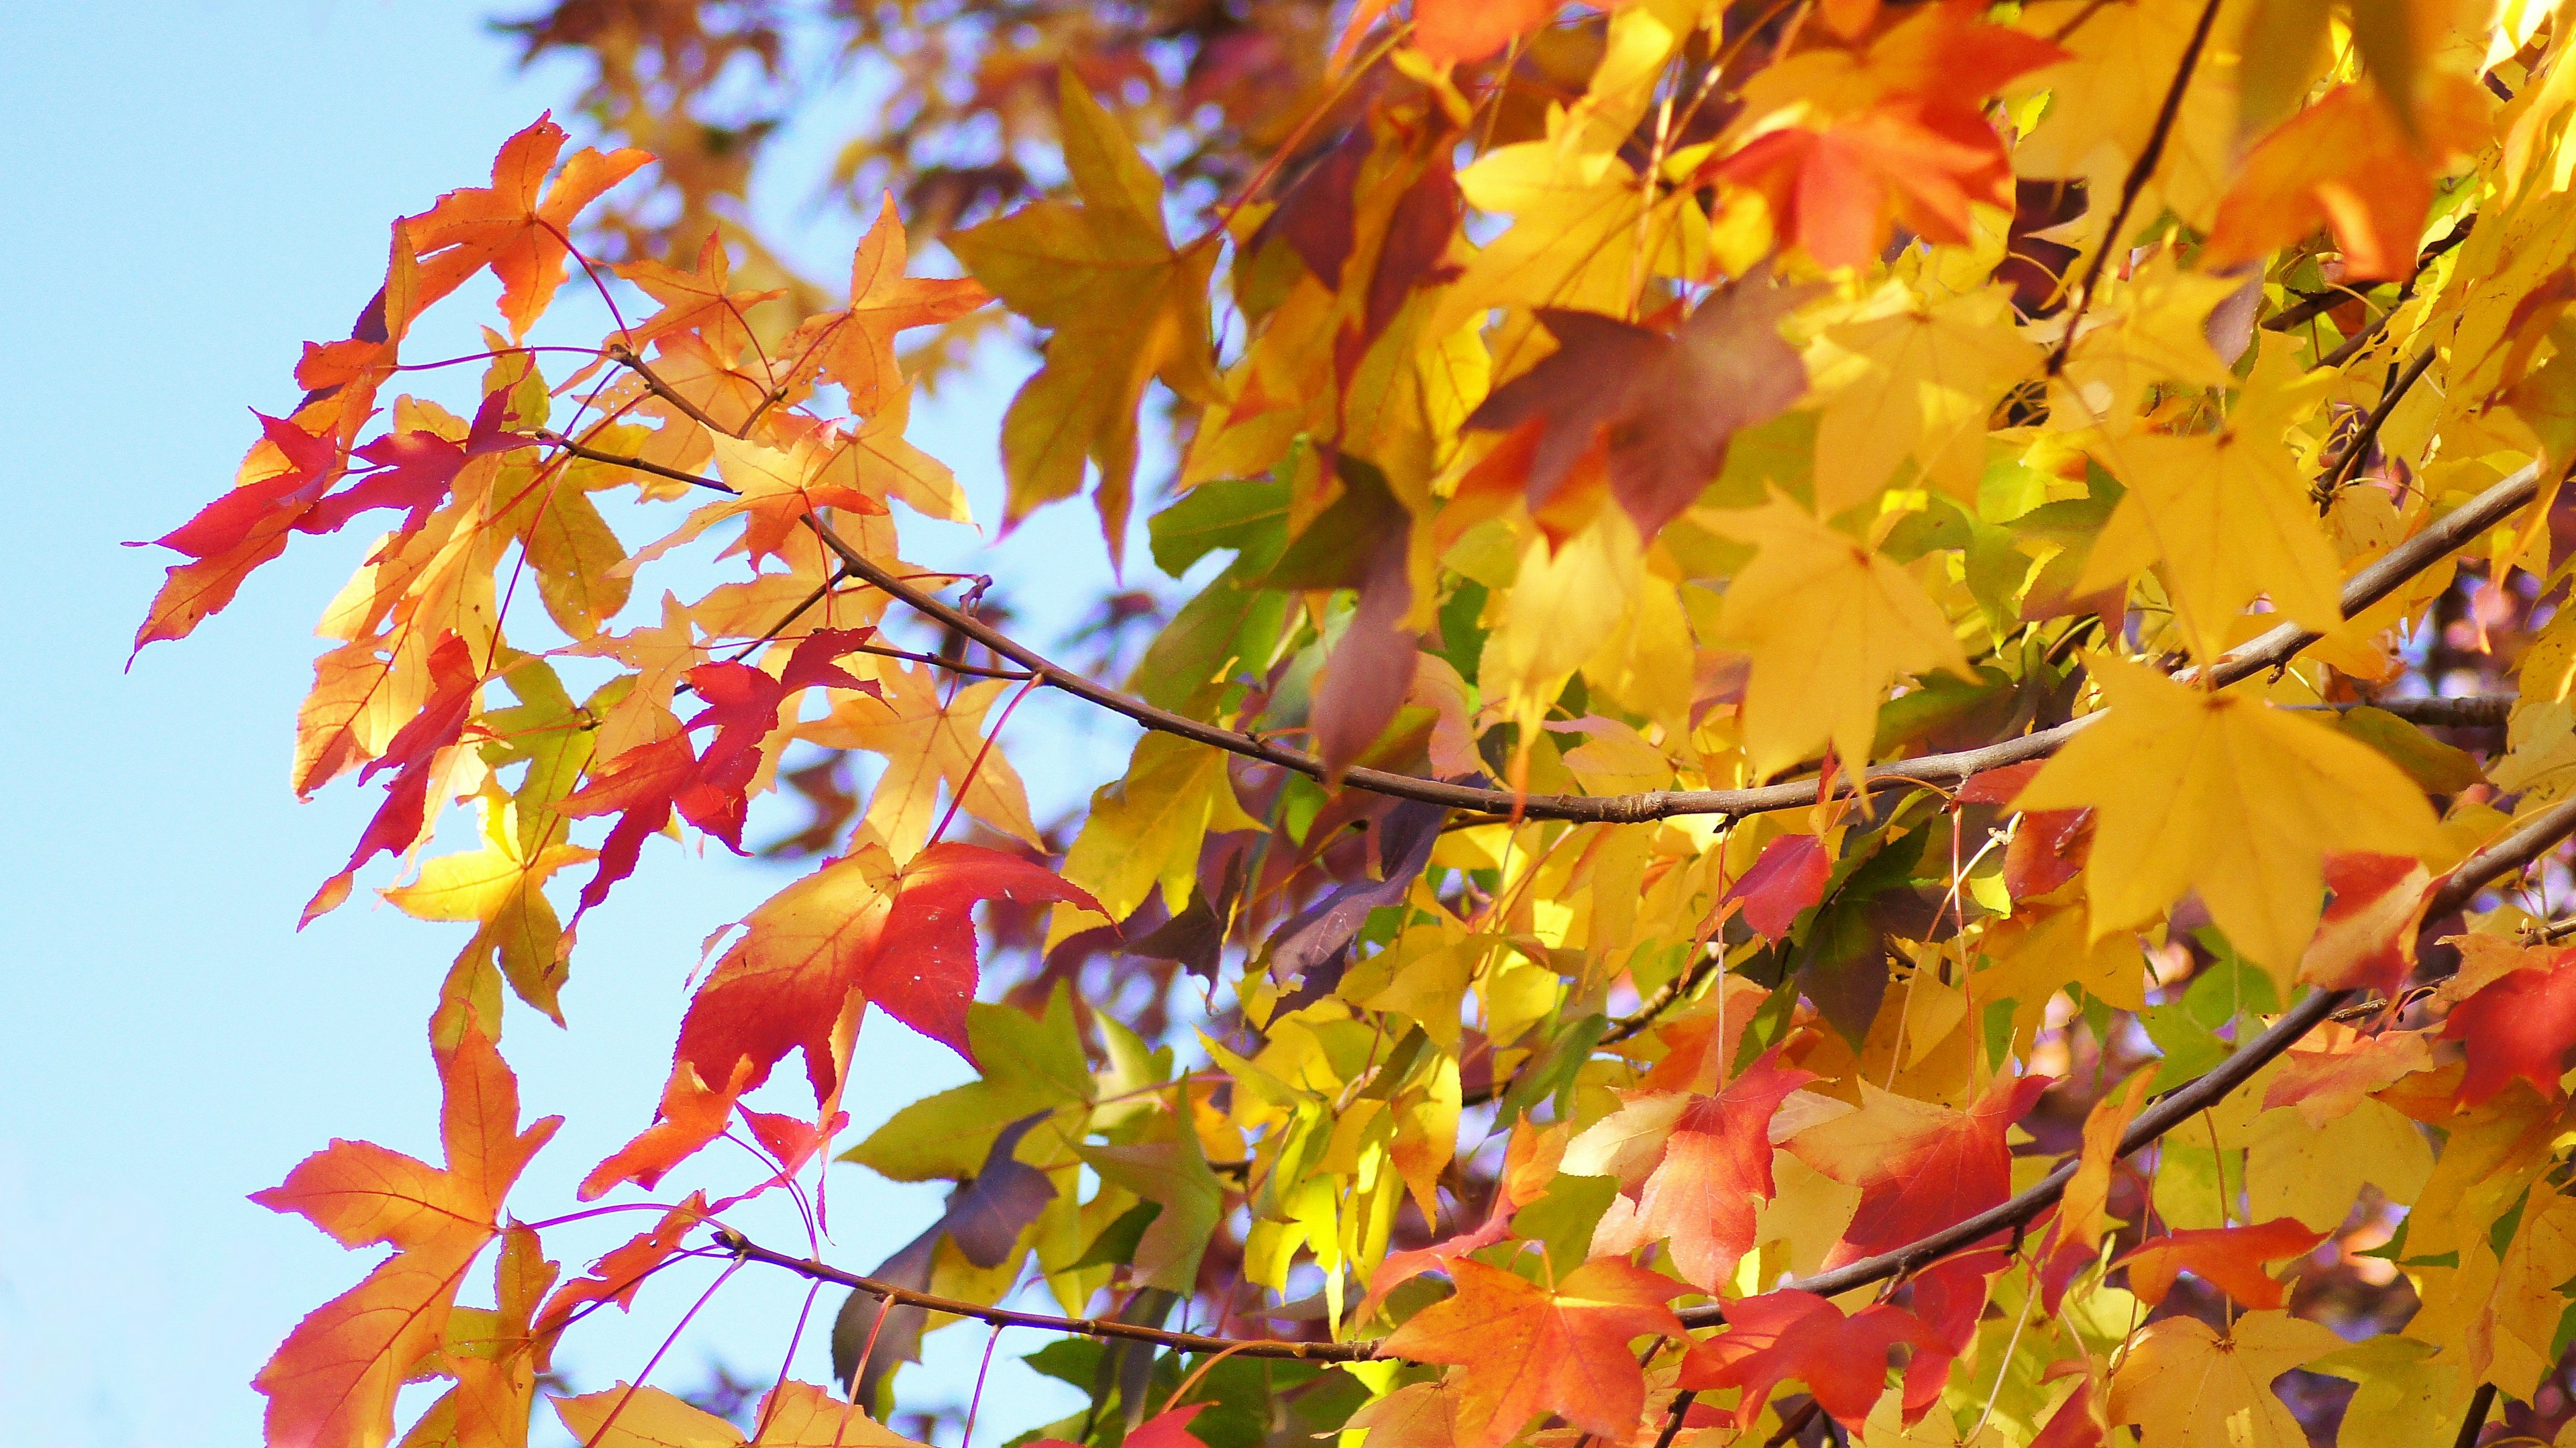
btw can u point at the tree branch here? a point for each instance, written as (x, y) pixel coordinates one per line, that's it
(2504, 857)
(2272, 650)
(1336, 1352)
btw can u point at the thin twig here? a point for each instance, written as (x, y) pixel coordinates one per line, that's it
(1343, 1352)
(2140, 172)
(2506, 856)
(2271, 650)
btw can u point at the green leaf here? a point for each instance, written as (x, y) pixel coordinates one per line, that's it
(1240, 514)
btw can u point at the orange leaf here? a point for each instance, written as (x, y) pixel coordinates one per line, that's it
(1469, 30)
(1793, 1334)
(809, 962)
(509, 226)
(333, 1381)
(2345, 161)
(1527, 1350)
(1713, 1170)
(1919, 1167)
(858, 344)
(2228, 1258)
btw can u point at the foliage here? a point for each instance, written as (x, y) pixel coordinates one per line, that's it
(1802, 794)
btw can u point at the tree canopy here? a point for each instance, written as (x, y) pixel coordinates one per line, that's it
(1873, 733)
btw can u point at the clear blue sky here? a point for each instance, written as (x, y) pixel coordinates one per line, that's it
(192, 191)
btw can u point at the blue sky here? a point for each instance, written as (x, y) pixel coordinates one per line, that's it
(194, 190)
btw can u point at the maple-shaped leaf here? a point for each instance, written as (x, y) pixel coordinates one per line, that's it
(698, 301)
(2188, 1386)
(644, 786)
(1831, 624)
(796, 1415)
(1124, 308)
(1920, 1167)
(332, 1382)
(2228, 1258)
(493, 1355)
(1837, 189)
(1789, 877)
(1791, 1334)
(857, 342)
(1527, 1350)
(775, 493)
(2520, 1026)
(929, 740)
(1894, 134)
(1699, 1193)
(810, 961)
(1662, 406)
(1906, 375)
(2225, 515)
(2222, 793)
(414, 754)
(518, 226)
(1531, 1160)
(2346, 160)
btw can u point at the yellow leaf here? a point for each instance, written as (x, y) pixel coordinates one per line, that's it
(2225, 515)
(926, 744)
(1147, 828)
(1831, 625)
(2188, 1387)
(2227, 795)
(1125, 308)
(1903, 377)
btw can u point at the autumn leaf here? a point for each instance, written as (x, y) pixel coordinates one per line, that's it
(333, 1381)
(1831, 624)
(644, 786)
(810, 961)
(2520, 1026)
(2188, 1386)
(928, 741)
(1920, 1167)
(520, 234)
(2224, 794)
(1788, 877)
(1662, 406)
(2228, 1258)
(1526, 1349)
(775, 493)
(857, 342)
(1713, 1170)
(1791, 1334)
(1123, 308)
(414, 754)
(700, 301)
(796, 1415)
(2346, 160)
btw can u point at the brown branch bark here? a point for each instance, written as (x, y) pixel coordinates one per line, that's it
(1335, 1352)
(2373, 583)
(2504, 857)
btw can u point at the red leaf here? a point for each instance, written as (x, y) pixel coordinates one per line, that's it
(1793, 1334)
(1714, 1169)
(618, 1276)
(1788, 877)
(2228, 1258)
(2366, 939)
(2518, 1027)
(1920, 1168)
(811, 960)
(646, 784)
(1167, 1429)
(412, 754)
